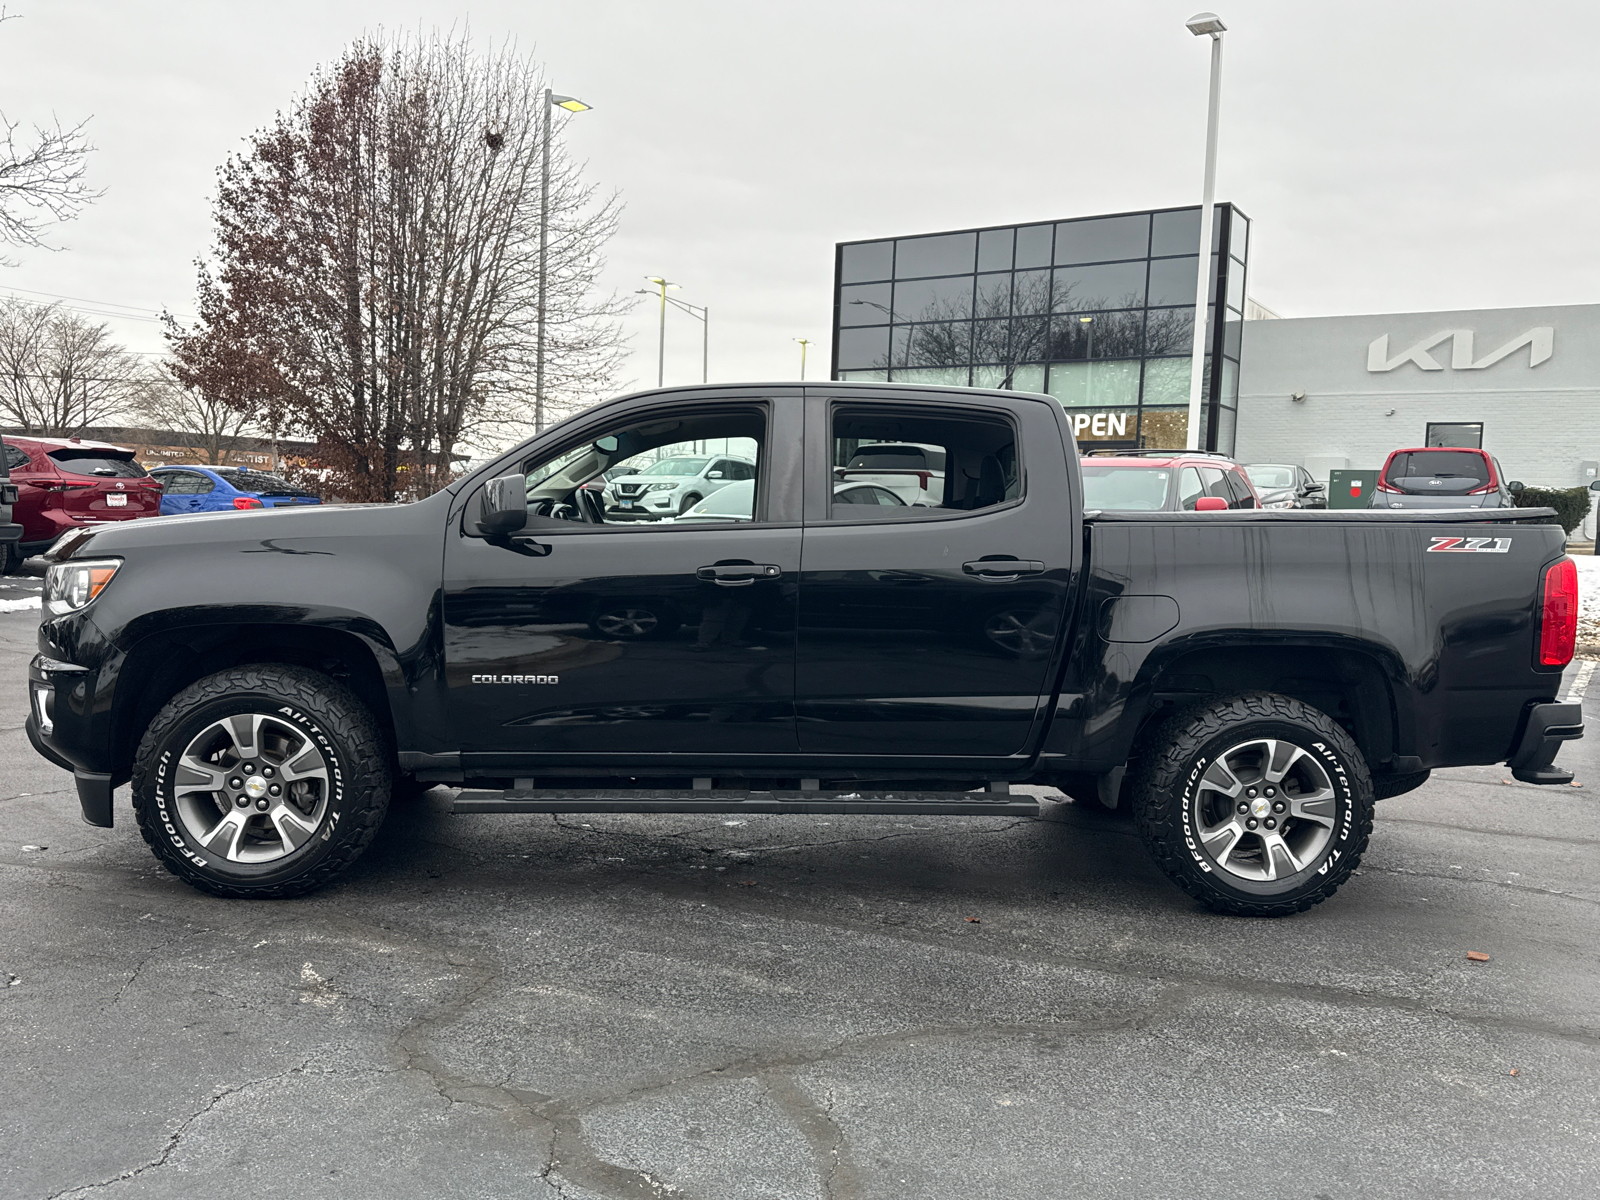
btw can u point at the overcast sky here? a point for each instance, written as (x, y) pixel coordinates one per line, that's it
(1395, 156)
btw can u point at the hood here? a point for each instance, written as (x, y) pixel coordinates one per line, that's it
(283, 527)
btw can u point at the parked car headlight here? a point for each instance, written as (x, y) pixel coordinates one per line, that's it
(70, 585)
(1278, 504)
(661, 487)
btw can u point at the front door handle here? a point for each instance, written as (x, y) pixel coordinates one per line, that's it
(1003, 568)
(738, 574)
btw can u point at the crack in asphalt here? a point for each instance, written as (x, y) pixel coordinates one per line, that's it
(176, 1136)
(1500, 883)
(1494, 833)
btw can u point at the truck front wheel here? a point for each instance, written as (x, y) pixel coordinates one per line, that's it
(1257, 805)
(261, 782)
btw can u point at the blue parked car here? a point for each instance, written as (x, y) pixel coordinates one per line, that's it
(223, 489)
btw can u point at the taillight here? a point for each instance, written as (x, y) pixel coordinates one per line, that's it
(1558, 614)
(1384, 486)
(1488, 487)
(246, 502)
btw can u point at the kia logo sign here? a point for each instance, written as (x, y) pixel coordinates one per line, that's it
(1539, 340)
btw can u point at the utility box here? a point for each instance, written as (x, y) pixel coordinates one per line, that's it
(1351, 489)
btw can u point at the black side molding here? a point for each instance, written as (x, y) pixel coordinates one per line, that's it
(1548, 726)
(94, 797)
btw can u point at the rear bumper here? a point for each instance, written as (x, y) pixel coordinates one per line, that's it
(1548, 726)
(10, 533)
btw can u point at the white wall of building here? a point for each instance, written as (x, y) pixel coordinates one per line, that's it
(1539, 403)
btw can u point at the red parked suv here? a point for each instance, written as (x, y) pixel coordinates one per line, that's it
(67, 483)
(1165, 481)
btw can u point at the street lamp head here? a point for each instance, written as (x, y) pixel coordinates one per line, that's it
(570, 103)
(1203, 23)
(1085, 320)
(661, 283)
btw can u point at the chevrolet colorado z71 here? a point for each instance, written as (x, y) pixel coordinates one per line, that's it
(1248, 682)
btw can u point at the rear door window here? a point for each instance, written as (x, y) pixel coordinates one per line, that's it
(100, 463)
(1190, 488)
(943, 462)
(1437, 472)
(1243, 497)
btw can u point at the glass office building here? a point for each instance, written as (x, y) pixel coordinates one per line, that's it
(1097, 312)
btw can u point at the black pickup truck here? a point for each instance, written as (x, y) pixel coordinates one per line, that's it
(1248, 683)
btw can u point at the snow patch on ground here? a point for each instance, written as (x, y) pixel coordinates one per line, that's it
(1588, 605)
(18, 605)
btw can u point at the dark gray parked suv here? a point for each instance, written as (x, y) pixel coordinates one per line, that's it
(1444, 477)
(10, 534)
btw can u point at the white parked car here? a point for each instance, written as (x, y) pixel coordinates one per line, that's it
(737, 501)
(911, 471)
(673, 485)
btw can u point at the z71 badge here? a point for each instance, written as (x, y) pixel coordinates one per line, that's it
(1458, 545)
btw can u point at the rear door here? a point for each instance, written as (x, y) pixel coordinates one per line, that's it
(933, 631)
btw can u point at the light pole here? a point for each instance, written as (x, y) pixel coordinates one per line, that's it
(1202, 25)
(661, 351)
(701, 313)
(804, 342)
(551, 100)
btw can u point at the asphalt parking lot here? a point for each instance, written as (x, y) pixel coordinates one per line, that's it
(706, 1007)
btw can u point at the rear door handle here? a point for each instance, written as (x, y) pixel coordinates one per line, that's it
(1003, 568)
(738, 574)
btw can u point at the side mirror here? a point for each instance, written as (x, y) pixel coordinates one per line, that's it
(505, 506)
(606, 445)
(1314, 487)
(713, 474)
(1515, 487)
(1210, 504)
(1595, 486)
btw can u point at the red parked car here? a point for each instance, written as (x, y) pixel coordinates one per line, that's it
(1165, 481)
(66, 483)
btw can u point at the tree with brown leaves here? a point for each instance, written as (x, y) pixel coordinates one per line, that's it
(376, 269)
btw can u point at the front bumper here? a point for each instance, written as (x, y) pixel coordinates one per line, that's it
(62, 725)
(1548, 726)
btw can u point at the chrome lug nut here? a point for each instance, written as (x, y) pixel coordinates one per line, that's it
(1271, 792)
(1251, 793)
(1244, 808)
(274, 789)
(267, 771)
(262, 805)
(243, 801)
(1250, 824)
(1279, 806)
(1271, 824)
(247, 768)
(236, 782)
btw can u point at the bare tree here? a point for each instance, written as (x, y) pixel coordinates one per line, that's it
(41, 180)
(213, 425)
(377, 267)
(60, 373)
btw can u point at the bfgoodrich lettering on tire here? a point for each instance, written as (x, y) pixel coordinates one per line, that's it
(262, 781)
(1256, 805)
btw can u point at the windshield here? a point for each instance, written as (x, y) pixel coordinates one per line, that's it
(675, 466)
(107, 464)
(1437, 472)
(260, 481)
(1138, 489)
(902, 458)
(1271, 477)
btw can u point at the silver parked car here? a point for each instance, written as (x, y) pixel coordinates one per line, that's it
(673, 485)
(1283, 485)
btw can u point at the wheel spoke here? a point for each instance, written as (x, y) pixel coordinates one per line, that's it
(245, 730)
(1281, 756)
(1220, 840)
(1219, 777)
(1276, 857)
(195, 773)
(308, 764)
(1320, 807)
(224, 837)
(292, 826)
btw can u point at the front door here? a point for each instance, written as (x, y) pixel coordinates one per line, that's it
(932, 629)
(583, 639)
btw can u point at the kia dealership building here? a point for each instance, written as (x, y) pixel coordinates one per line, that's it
(1098, 313)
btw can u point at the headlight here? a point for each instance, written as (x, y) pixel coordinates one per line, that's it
(70, 585)
(1278, 504)
(660, 487)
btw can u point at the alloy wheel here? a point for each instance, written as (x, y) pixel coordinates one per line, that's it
(1264, 810)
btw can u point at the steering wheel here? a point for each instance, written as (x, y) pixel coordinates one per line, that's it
(591, 507)
(555, 510)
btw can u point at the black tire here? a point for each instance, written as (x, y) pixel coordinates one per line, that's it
(10, 558)
(291, 712)
(689, 502)
(1385, 786)
(1315, 842)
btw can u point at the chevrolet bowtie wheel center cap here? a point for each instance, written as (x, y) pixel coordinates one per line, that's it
(255, 787)
(1259, 807)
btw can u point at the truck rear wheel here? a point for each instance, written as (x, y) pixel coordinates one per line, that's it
(1257, 805)
(261, 782)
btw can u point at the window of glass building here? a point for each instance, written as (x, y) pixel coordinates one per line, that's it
(1097, 312)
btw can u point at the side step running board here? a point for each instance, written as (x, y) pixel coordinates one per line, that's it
(576, 800)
